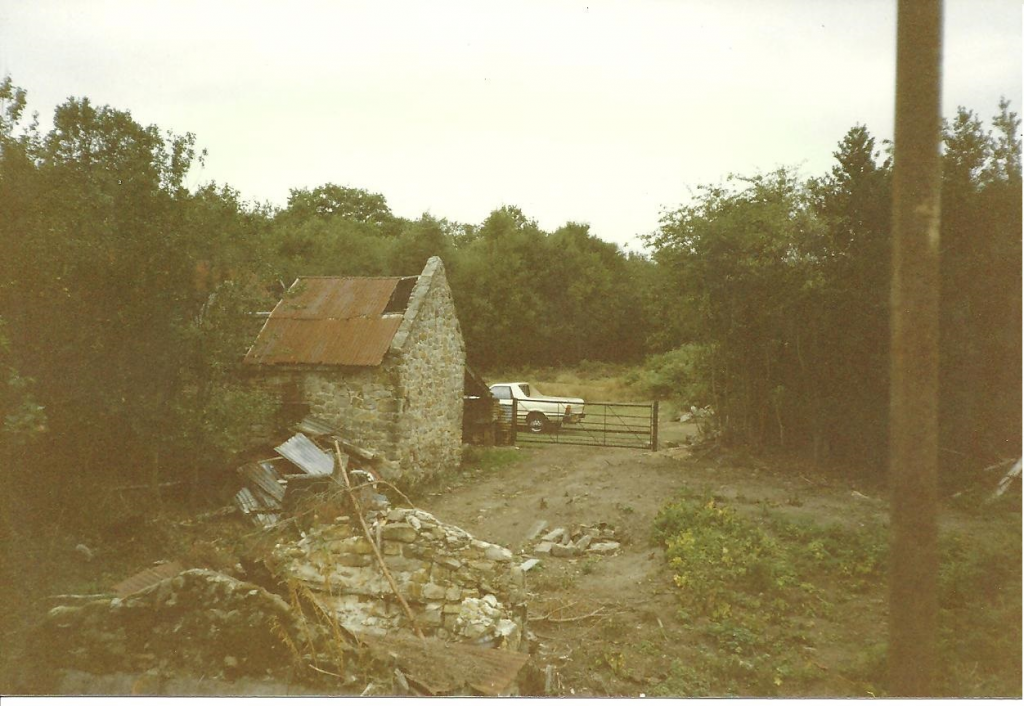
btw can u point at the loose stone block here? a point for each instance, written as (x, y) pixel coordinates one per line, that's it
(584, 541)
(554, 535)
(564, 550)
(543, 548)
(603, 547)
(496, 553)
(399, 532)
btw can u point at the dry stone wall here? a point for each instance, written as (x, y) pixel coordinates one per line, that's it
(458, 587)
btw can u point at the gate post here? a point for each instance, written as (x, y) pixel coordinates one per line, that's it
(654, 426)
(514, 420)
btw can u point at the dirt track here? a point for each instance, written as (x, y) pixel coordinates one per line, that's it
(634, 636)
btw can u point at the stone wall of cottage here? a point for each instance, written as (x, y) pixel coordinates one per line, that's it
(431, 359)
(409, 408)
(362, 402)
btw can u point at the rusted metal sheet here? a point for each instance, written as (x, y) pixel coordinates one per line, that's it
(354, 342)
(306, 455)
(336, 298)
(147, 577)
(329, 321)
(449, 667)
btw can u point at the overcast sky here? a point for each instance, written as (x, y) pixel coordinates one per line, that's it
(604, 113)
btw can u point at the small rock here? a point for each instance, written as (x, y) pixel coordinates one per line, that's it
(543, 548)
(496, 553)
(84, 552)
(230, 662)
(584, 542)
(565, 550)
(536, 529)
(529, 564)
(399, 532)
(554, 535)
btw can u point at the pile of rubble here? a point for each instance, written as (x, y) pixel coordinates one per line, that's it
(456, 587)
(200, 622)
(579, 540)
(379, 580)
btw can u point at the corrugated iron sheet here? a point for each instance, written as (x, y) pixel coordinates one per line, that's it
(307, 455)
(329, 321)
(356, 342)
(448, 667)
(147, 577)
(265, 477)
(336, 298)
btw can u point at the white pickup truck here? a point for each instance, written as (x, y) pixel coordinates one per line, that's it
(540, 413)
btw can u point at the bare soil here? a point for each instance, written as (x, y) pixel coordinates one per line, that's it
(610, 625)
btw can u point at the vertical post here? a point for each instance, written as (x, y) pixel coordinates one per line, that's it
(913, 604)
(515, 420)
(654, 426)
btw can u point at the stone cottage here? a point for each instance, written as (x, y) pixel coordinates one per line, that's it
(381, 358)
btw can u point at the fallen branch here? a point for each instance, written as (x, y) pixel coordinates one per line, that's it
(600, 612)
(358, 510)
(324, 671)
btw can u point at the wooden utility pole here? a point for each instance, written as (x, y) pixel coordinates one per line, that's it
(913, 575)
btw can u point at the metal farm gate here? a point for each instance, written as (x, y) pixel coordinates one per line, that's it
(619, 424)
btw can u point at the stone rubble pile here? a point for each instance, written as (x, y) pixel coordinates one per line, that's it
(458, 587)
(199, 622)
(580, 540)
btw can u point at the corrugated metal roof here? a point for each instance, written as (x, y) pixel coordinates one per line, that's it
(329, 321)
(307, 456)
(336, 297)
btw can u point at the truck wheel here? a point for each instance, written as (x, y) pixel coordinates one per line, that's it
(536, 422)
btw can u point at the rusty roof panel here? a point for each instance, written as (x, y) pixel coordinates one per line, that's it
(336, 298)
(146, 578)
(360, 342)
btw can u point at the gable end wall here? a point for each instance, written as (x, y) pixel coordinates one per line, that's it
(431, 377)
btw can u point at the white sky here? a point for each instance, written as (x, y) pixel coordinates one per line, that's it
(597, 112)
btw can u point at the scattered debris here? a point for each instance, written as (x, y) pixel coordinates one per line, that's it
(1007, 480)
(188, 623)
(582, 539)
(146, 578)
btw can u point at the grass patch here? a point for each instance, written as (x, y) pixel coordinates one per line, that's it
(752, 589)
(488, 459)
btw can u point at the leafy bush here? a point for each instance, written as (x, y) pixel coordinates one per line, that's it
(675, 375)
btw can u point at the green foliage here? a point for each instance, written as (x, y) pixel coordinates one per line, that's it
(784, 285)
(746, 583)
(980, 610)
(677, 375)
(489, 459)
(742, 583)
